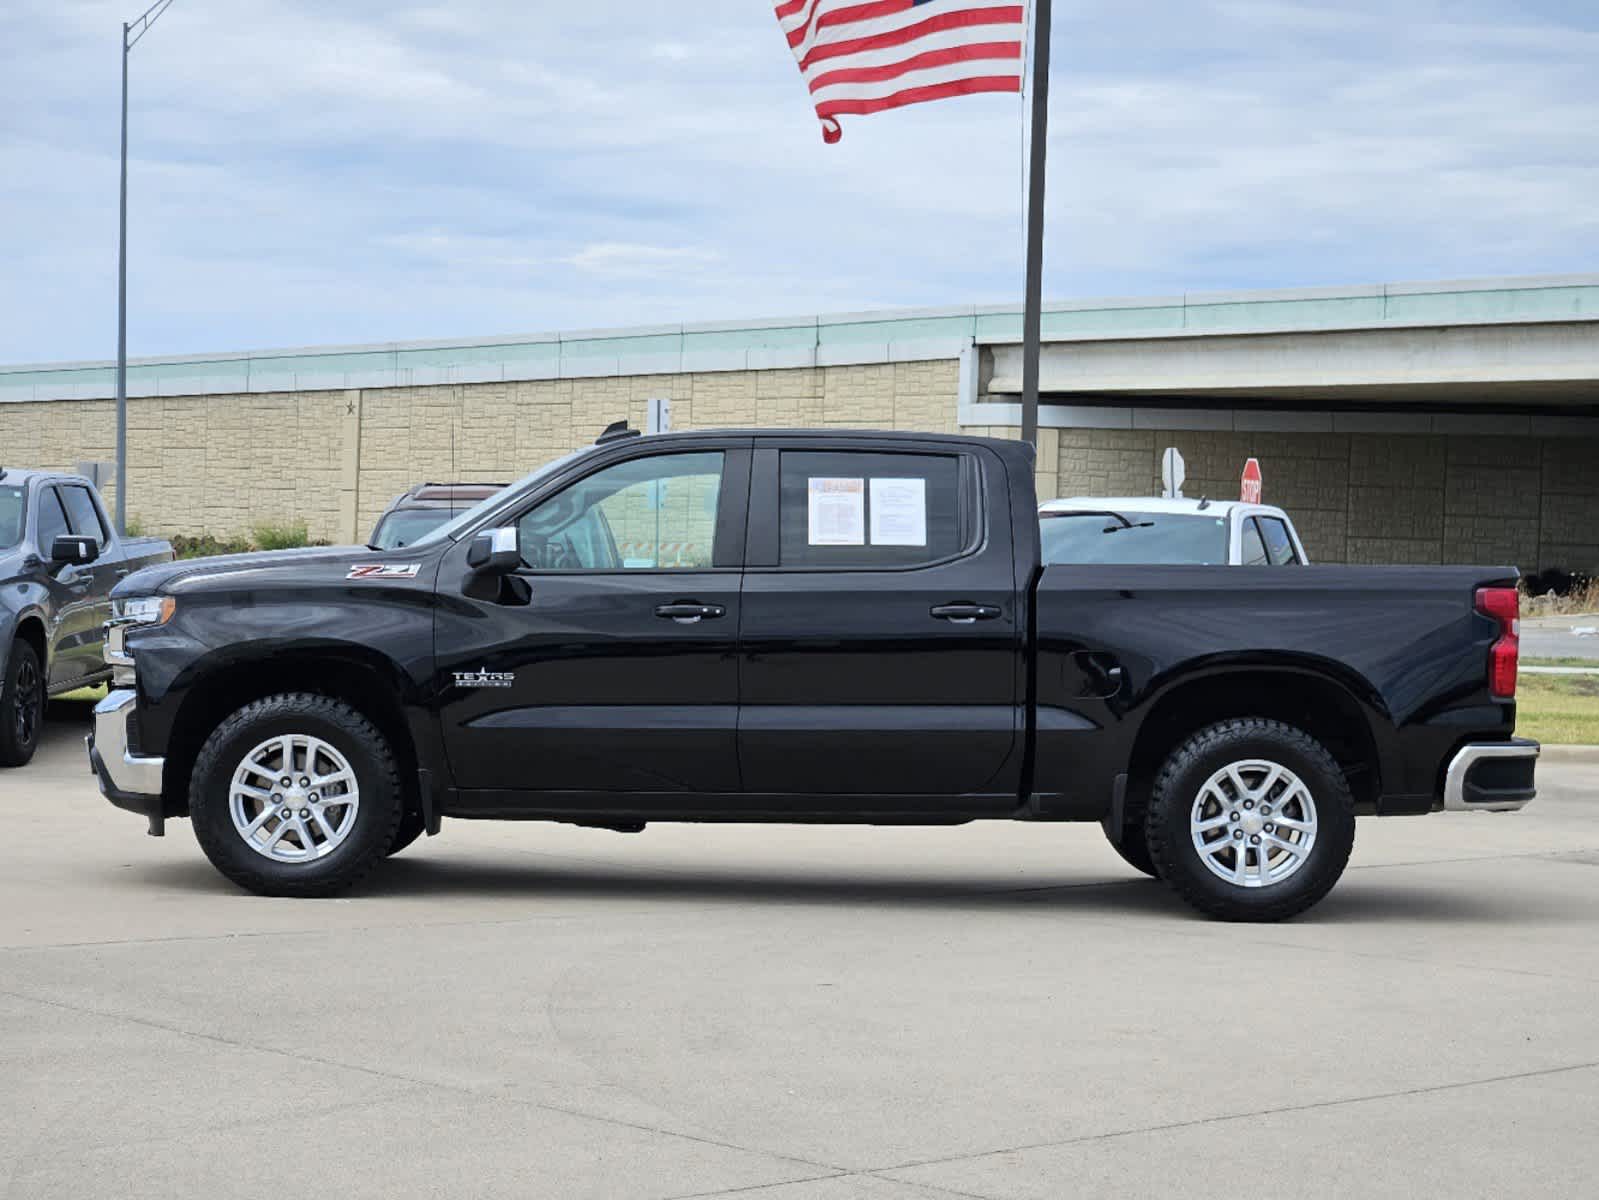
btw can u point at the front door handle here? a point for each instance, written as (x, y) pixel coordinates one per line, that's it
(963, 613)
(689, 613)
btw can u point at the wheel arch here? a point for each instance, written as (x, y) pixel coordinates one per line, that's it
(358, 675)
(31, 629)
(1340, 713)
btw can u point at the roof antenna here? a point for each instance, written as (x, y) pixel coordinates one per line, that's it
(1204, 503)
(616, 430)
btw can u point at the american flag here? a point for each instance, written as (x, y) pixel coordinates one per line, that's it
(864, 56)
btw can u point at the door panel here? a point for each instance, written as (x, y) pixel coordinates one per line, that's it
(849, 683)
(603, 666)
(604, 695)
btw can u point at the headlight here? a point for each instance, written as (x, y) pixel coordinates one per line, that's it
(130, 614)
(145, 610)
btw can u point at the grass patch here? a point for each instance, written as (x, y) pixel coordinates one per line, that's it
(1559, 709)
(89, 695)
(1591, 664)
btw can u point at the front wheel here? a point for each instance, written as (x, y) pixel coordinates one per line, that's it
(1251, 820)
(295, 795)
(21, 705)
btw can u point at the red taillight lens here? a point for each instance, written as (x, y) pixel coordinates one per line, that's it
(1503, 604)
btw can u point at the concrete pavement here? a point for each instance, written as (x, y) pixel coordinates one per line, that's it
(793, 1013)
(1560, 637)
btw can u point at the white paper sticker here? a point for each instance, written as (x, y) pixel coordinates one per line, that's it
(837, 512)
(899, 512)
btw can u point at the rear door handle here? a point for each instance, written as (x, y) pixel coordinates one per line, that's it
(964, 614)
(688, 613)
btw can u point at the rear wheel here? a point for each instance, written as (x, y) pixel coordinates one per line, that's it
(1251, 820)
(21, 705)
(295, 795)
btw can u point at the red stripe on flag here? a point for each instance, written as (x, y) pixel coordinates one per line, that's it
(789, 7)
(1010, 14)
(935, 91)
(848, 16)
(931, 58)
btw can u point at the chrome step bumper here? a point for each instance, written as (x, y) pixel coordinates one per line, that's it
(1491, 776)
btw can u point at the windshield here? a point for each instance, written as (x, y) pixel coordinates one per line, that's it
(1101, 538)
(465, 519)
(12, 509)
(410, 525)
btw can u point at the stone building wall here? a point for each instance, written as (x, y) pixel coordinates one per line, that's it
(224, 464)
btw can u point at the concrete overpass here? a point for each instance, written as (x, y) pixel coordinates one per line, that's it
(1404, 422)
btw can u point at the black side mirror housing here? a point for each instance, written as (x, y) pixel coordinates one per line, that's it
(70, 549)
(495, 551)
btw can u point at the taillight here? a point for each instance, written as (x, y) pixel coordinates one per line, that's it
(1503, 604)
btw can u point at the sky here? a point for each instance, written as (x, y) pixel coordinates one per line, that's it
(307, 173)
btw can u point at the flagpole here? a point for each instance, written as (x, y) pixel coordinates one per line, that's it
(1032, 317)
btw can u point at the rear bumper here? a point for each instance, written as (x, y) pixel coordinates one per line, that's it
(130, 781)
(1491, 776)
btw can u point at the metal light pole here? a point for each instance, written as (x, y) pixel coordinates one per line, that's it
(132, 31)
(1032, 315)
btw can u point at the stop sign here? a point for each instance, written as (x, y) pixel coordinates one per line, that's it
(1249, 485)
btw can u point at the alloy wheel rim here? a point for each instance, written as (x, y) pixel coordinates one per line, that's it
(27, 703)
(294, 798)
(1253, 823)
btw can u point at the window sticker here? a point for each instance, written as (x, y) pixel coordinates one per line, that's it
(899, 512)
(837, 512)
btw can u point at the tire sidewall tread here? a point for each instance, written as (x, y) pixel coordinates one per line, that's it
(12, 753)
(1177, 785)
(354, 736)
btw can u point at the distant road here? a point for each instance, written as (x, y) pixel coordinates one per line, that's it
(1551, 637)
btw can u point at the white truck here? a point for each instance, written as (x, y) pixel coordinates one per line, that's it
(1144, 529)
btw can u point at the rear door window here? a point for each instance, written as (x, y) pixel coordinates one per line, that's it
(864, 509)
(1252, 552)
(1279, 546)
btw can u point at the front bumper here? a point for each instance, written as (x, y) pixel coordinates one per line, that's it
(129, 780)
(1491, 776)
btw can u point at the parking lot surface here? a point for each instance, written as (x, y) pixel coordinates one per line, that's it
(793, 1013)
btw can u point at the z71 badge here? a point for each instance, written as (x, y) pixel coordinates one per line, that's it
(385, 571)
(484, 679)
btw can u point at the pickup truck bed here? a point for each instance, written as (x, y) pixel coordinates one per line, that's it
(804, 626)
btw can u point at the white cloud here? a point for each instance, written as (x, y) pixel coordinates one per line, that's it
(314, 173)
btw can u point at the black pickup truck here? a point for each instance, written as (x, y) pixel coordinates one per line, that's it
(803, 627)
(59, 559)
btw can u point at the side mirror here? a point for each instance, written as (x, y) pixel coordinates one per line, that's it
(74, 550)
(495, 551)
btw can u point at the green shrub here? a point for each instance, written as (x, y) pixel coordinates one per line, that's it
(204, 545)
(136, 527)
(281, 537)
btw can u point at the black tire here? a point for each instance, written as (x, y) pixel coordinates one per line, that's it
(1178, 788)
(22, 699)
(409, 829)
(370, 757)
(1134, 848)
